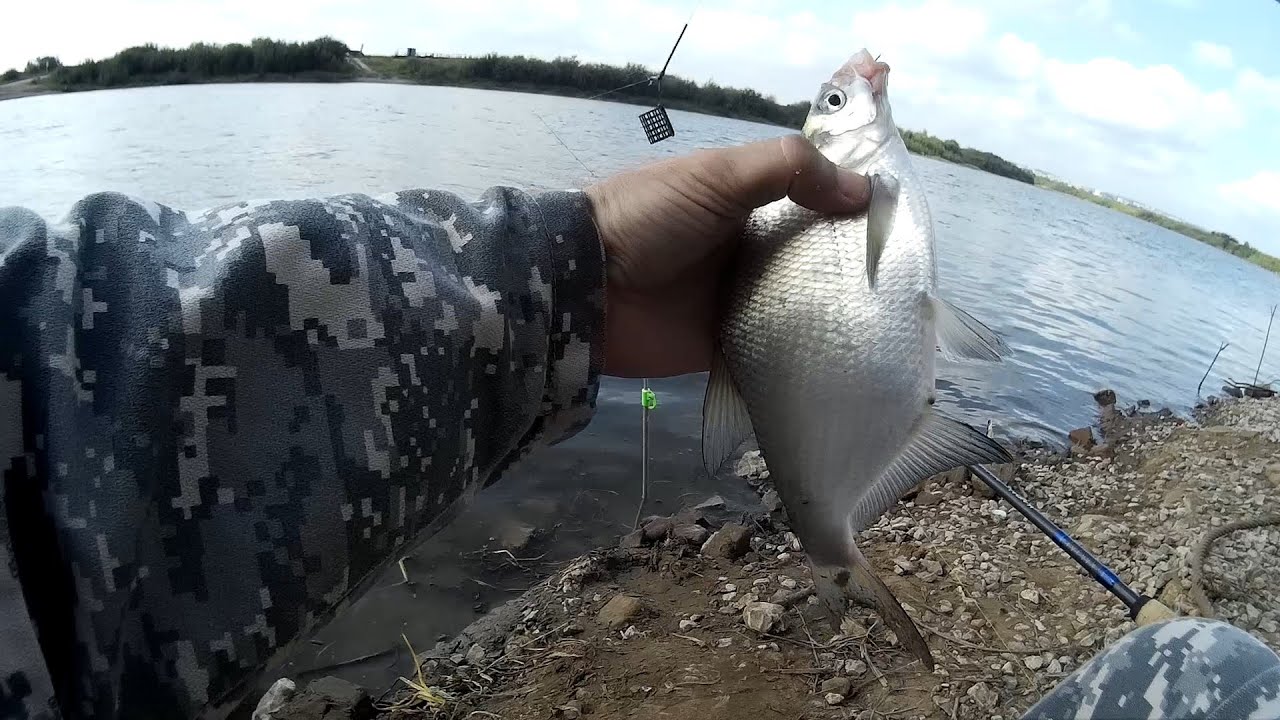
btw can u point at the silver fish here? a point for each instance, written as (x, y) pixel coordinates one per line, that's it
(827, 346)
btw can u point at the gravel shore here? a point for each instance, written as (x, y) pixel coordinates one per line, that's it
(706, 616)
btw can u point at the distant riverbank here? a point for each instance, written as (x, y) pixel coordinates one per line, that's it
(328, 60)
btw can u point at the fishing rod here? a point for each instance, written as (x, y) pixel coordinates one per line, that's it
(1143, 610)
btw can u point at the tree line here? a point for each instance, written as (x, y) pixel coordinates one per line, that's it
(262, 58)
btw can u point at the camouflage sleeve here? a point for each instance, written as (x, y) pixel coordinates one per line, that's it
(1178, 669)
(215, 429)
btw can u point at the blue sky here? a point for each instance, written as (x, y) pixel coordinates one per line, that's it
(1175, 103)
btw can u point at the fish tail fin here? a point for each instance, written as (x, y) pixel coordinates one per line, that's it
(859, 583)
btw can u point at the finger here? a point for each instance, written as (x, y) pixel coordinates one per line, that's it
(762, 172)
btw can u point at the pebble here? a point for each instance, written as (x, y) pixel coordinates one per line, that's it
(788, 583)
(687, 625)
(619, 611)
(783, 557)
(837, 685)
(833, 698)
(762, 617)
(1031, 596)
(731, 542)
(855, 667)
(1033, 662)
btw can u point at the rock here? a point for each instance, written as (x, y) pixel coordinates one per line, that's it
(687, 625)
(516, 536)
(1030, 595)
(731, 541)
(274, 698)
(1081, 438)
(983, 695)
(838, 685)
(833, 698)
(691, 534)
(762, 617)
(1033, 662)
(657, 529)
(751, 465)
(788, 583)
(632, 540)
(1105, 398)
(855, 668)
(476, 654)
(945, 607)
(771, 501)
(328, 698)
(928, 498)
(619, 611)
(570, 711)
(1104, 451)
(1101, 528)
(712, 503)
(793, 542)
(1055, 667)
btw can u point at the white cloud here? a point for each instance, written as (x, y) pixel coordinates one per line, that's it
(1213, 54)
(1260, 191)
(1259, 89)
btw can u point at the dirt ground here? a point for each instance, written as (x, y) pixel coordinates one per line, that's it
(658, 627)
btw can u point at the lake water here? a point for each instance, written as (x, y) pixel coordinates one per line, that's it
(1087, 297)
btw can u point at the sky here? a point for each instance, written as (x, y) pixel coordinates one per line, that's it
(1175, 103)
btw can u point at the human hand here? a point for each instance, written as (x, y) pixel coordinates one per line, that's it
(669, 230)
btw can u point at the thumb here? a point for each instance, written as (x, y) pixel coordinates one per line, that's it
(759, 173)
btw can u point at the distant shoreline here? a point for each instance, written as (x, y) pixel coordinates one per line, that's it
(326, 60)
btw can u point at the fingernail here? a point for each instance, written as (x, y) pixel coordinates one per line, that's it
(854, 187)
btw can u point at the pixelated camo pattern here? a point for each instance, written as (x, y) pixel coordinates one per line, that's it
(214, 430)
(1184, 669)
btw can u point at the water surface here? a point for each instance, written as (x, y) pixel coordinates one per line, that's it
(1087, 297)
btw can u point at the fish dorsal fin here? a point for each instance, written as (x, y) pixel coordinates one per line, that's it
(963, 337)
(725, 422)
(880, 214)
(938, 445)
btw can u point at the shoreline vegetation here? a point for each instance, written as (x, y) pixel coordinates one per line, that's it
(328, 60)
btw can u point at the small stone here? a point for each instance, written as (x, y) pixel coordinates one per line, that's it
(751, 465)
(855, 668)
(1033, 662)
(928, 498)
(1008, 668)
(783, 557)
(711, 503)
(724, 642)
(1081, 438)
(945, 607)
(1055, 667)
(476, 654)
(793, 542)
(687, 625)
(838, 685)
(630, 632)
(762, 617)
(1030, 595)
(350, 697)
(833, 698)
(788, 583)
(570, 711)
(632, 540)
(619, 611)
(691, 534)
(658, 528)
(771, 501)
(983, 695)
(1105, 397)
(274, 699)
(731, 541)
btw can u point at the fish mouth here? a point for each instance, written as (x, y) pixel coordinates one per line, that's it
(863, 65)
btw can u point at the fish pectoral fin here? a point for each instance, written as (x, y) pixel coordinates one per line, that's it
(962, 337)
(858, 582)
(883, 208)
(939, 444)
(725, 421)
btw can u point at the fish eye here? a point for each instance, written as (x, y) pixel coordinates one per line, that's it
(835, 99)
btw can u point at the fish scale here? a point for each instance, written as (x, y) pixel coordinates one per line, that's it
(826, 351)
